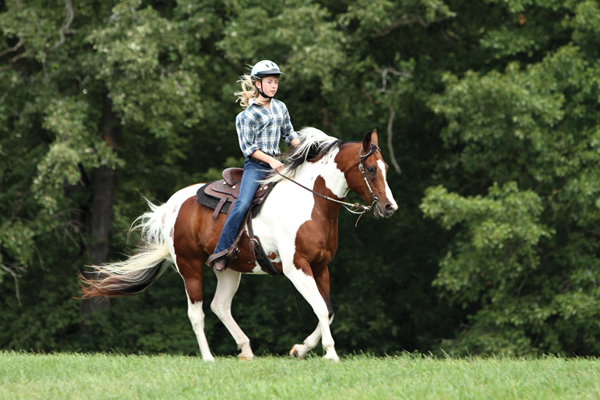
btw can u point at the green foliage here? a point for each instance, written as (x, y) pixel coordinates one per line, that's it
(142, 59)
(487, 113)
(531, 127)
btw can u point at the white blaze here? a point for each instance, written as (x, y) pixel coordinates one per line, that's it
(388, 192)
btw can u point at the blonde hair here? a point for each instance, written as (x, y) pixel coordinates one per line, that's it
(248, 91)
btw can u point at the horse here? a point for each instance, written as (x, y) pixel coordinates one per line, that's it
(297, 225)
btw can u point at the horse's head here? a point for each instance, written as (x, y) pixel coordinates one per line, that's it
(366, 175)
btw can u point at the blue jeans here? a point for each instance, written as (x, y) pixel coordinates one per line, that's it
(253, 172)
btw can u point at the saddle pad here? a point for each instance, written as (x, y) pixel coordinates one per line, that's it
(210, 201)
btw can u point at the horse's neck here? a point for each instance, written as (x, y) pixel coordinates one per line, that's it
(326, 168)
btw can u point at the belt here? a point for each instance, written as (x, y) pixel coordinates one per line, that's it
(277, 157)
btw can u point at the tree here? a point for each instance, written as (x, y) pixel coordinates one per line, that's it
(524, 136)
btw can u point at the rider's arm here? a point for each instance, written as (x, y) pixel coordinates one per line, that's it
(272, 161)
(246, 130)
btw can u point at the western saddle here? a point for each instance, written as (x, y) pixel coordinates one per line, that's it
(221, 196)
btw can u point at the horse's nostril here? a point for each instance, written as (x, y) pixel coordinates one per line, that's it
(389, 209)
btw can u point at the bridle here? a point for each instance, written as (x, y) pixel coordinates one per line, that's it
(361, 167)
(354, 208)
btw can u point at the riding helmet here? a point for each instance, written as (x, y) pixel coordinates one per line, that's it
(265, 68)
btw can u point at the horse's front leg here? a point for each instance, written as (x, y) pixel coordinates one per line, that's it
(228, 283)
(316, 291)
(300, 350)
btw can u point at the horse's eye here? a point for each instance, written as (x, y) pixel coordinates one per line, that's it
(371, 170)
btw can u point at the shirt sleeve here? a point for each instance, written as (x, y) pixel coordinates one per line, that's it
(287, 130)
(246, 134)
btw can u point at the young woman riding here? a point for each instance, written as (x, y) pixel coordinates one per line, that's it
(260, 127)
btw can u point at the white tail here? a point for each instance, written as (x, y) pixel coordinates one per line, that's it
(136, 273)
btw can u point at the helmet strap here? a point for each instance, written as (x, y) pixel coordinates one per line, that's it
(263, 94)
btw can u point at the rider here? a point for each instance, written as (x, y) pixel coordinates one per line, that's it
(260, 127)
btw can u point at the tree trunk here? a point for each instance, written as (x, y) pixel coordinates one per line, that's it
(100, 212)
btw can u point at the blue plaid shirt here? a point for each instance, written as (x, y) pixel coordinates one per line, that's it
(259, 128)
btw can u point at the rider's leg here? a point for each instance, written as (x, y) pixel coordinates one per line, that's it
(253, 172)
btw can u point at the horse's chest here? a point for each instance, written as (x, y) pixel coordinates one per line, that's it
(284, 212)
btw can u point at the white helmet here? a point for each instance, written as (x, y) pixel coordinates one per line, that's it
(265, 68)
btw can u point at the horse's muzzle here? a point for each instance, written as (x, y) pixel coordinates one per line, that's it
(385, 211)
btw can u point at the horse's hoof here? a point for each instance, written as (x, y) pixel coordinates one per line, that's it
(245, 357)
(294, 352)
(331, 356)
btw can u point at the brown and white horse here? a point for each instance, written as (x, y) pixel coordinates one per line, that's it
(297, 228)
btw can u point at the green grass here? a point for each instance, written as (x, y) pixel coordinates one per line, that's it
(105, 376)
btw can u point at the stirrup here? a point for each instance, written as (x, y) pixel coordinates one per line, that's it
(220, 264)
(227, 253)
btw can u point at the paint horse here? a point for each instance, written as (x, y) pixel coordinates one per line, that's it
(297, 226)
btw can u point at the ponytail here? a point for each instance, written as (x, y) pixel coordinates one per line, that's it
(248, 91)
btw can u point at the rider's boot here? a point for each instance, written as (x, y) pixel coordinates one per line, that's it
(220, 264)
(218, 261)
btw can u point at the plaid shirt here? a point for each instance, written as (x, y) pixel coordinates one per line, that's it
(259, 128)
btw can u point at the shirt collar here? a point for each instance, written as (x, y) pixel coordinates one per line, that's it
(253, 100)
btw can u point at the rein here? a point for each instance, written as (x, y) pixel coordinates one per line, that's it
(354, 208)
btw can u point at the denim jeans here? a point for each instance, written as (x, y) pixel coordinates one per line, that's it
(253, 172)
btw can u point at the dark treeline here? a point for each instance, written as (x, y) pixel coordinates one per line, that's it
(489, 118)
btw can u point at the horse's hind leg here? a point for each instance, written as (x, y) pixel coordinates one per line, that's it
(228, 283)
(196, 315)
(191, 271)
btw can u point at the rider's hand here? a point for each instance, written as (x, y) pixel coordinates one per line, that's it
(275, 164)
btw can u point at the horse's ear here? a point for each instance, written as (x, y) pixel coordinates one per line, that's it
(370, 137)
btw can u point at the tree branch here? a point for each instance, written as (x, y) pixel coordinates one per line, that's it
(390, 133)
(64, 29)
(15, 277)
(389, 140)
(11, 49)
(368, 96)
(384, 73)
(16, 58)
(412, 19)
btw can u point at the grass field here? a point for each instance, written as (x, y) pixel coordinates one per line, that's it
(105, 376)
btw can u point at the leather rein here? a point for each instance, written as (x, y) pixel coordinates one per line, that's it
(354, 208)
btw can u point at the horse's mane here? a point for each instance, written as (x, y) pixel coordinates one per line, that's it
(313, 144)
